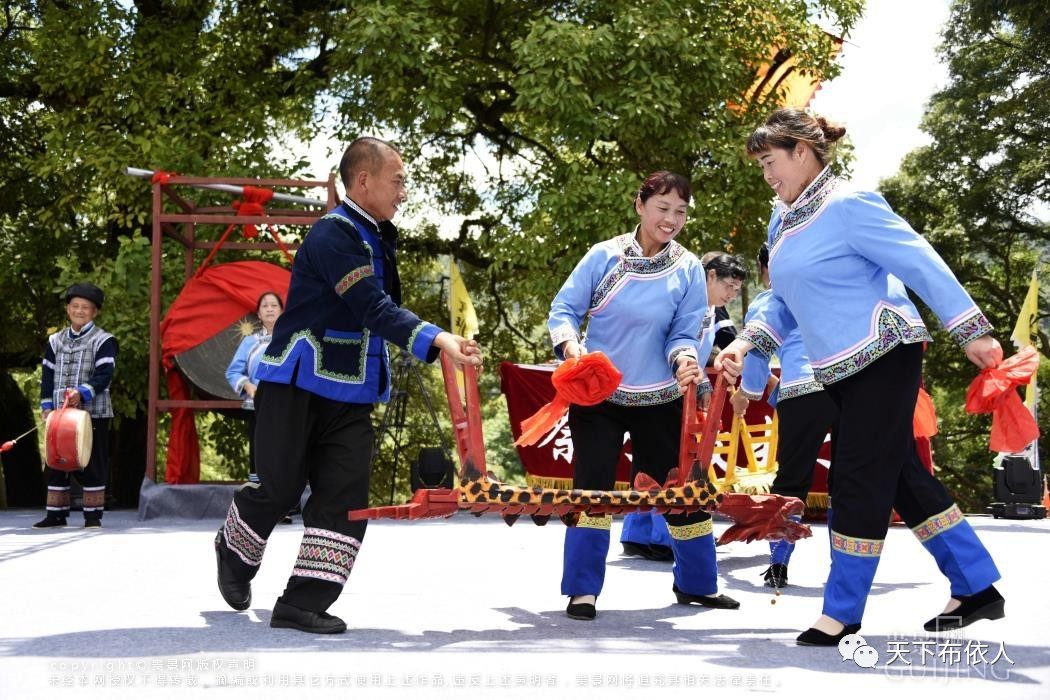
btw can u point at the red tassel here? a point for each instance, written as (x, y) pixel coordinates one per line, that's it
(584, 381)
(924, 421)
(995, 391)
(536, 426)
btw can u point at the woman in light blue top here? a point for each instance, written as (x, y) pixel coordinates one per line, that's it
(841, 262)
(242, 371)
(642, 297)
(805, 415)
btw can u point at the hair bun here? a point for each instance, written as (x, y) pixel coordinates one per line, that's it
(832, 132)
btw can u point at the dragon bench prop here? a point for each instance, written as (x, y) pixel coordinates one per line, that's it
(687, 488)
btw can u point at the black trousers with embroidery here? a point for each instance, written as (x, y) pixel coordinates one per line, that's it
(303, 438)
(597, 438)
(92, 478)
(876, 467)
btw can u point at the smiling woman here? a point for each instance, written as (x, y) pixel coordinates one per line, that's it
(643, 298)
(841, 263)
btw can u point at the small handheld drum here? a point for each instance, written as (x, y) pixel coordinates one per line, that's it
(68, 439)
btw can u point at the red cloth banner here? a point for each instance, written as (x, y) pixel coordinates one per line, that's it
(209, 302)
(550, 461)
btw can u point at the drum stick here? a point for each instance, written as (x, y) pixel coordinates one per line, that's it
(10, 444)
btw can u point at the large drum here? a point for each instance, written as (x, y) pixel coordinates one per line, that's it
(67, 442)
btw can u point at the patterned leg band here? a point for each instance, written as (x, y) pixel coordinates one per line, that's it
(57, 498)
(690, 532)
(94, 498)
(937, 524)
(326, 555)
(597, 522)
(241, 539)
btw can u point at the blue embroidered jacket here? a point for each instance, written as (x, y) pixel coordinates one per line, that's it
(839, 262)
(641, 312)
(343, 304)
(796, 374)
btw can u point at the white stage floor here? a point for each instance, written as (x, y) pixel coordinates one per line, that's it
(470, 608)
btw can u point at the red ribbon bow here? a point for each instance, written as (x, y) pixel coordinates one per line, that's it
(252, 205)
(584, 381)
(994, 391)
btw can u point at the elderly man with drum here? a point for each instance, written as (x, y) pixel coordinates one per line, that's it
(78, 367)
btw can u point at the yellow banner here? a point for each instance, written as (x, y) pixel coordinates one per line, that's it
(464, 320)
(1025, 330)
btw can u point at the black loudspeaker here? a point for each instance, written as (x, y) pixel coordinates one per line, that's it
(1018, 490)
(432, 469)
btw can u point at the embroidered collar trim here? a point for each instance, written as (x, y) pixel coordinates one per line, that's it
(365, 215)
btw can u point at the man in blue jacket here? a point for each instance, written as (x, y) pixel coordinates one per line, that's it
(324, 369)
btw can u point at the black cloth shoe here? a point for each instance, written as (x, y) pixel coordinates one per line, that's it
(776, 575)
(51, 521)
(237, 594)
(581, 611)
(289, 616)
(652, 552)
(660, 552)
(988, 604)
(722, 602)
(92, 521)
(815, 638)
(634, 549)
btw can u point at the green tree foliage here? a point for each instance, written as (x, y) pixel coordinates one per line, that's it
(979, 192)
(89, 88)
(566, 106)
(527, 123)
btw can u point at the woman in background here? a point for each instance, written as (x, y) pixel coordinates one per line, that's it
(241, 374)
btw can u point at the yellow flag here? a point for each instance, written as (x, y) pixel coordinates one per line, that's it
(464, 320)
(1025, 329)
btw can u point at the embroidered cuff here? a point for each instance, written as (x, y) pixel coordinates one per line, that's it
(970, 328)
(561, 334)
(677, 352)
(421, 340)
(47, 405)
(704, 387)
(764, 341)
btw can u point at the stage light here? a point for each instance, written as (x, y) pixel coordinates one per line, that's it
(1018, 489)
(432, 469)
